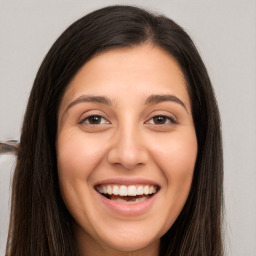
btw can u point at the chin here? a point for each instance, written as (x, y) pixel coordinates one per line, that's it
(123, 243)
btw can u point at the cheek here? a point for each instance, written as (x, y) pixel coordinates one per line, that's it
(178, 153)
(176, 156)
(77, 158)
(77, 155)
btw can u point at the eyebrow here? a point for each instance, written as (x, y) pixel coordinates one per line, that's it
(97, 99)
(153, 99)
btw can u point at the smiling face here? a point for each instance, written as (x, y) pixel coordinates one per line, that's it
(126, 150)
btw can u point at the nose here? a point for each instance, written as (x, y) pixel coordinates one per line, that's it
(128, 149)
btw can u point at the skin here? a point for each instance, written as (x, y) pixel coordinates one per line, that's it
(126, 143)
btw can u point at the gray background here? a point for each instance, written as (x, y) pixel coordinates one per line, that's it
(225, 33)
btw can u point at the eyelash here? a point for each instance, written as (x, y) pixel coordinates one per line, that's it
(167, 119)
(87, 120)
(171, 120)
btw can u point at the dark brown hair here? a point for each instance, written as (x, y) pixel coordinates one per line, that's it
(40, 223)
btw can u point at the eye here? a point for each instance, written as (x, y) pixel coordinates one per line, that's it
(94, 120)
(162, 120)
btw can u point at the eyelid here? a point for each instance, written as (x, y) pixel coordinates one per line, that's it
(92, 113)
(171, 120)
(87, 118)
(164, 113)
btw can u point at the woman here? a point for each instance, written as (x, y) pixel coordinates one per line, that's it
(120, 151)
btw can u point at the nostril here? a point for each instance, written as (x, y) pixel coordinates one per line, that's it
(128, 158)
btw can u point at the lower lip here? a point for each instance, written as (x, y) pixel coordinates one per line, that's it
(129, 210)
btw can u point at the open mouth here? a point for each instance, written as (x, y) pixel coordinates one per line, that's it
(131, 194)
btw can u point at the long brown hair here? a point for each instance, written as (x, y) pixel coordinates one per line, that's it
(40, 223)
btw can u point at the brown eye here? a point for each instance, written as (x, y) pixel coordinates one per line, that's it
(161, 120)
(95, 119)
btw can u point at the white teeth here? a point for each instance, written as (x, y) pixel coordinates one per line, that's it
(115, 190)
(123, 190)
(132, 191)
(100, 189)
(109, 190)
(146, 190)
(151, 190)
(140, 190)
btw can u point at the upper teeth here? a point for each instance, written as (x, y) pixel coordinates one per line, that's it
(123, 190)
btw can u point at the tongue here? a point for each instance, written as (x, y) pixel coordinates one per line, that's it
(131, 199)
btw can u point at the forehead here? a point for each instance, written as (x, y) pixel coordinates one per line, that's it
(134, 71)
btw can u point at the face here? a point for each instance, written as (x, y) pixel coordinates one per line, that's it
(126, 149)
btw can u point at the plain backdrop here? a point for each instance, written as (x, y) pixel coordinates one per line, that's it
(225, 34)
